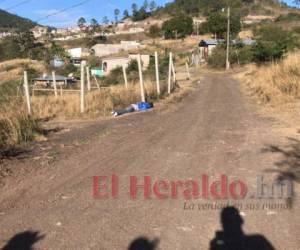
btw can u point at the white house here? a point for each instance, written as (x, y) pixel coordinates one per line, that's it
(111, 63)
(78, 52)
(101, 50)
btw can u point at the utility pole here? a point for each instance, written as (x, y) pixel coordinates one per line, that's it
(228, 39)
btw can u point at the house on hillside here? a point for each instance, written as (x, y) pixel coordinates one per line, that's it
(47, 81)
(111, 63)
(5, 34)
(39, 31)
(206, 47)
(101, 50)
(250, 19)
(77, 53)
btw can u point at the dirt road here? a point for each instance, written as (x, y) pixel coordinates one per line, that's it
(213, 131)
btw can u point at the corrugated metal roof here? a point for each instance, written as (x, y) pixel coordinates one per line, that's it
(49, 78)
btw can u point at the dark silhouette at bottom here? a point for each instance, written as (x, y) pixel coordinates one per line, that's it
(143, 244)
(233, 238)
(23, 241)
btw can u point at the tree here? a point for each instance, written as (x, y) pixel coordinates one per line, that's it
(125, 14)
(94, 22)
(272, 43)
(217, 24)
(152, 6)
(145, 5)
(134, 8)
(81, 22)
(178, 27)
(117, 13)
(105, 20)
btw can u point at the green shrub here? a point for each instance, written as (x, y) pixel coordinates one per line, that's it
(296, 29)
(154, 31)
(245, 55)
(288, 17)
(115, 77)
(218, 57)
(272, 43)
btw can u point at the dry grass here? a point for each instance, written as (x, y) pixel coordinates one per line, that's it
(278, 83)
(98, 103)
(13, 69)
(15, 125)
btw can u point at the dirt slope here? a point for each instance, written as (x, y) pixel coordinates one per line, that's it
(213, 131)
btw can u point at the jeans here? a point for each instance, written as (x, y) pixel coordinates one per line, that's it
(129, 109)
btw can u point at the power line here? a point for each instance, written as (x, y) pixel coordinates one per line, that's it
(63, 10)
(17, 5)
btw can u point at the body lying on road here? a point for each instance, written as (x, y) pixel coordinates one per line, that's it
(132, 108)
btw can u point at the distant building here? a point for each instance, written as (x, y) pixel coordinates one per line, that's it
(207, 46)
(57, 62)
(62, 32)
(78, 52)
(250, 19)
(5, 34)
(101, 50)
(47, 81)
(111, 63)
(39, 31)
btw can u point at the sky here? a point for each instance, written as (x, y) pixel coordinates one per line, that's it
(37, 9)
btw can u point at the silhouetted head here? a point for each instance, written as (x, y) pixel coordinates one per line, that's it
(23, 241)
(143, 244)
(231, 219)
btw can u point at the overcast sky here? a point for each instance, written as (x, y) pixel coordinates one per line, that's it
(36, 9)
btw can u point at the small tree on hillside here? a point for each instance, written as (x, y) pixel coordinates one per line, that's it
(105, 20)
(154, 31)
(152, 6)
(117, 13)
(125, 14)
(81, 22)
(134, 8)
(217, 24)
(272, 43)
(178, 27)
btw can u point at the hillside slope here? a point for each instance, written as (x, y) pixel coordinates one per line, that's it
(10, 21)
(203, 7)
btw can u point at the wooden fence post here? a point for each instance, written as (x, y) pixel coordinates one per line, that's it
(170, 73)
(173, 71)
(188, 70)
(98, 85)
(82, 89)
(157, 73)
(54, 83)
(141, 78)
(26, 90)
(125, 76)
(88, 77)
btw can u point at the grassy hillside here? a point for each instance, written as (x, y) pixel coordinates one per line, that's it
(10, 21)
(276, 83)
(203, 7)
